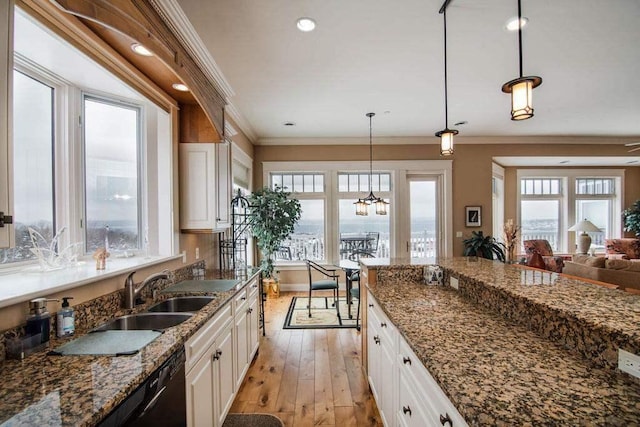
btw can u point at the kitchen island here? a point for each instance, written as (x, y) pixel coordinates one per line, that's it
(48, 390)
(495, 366)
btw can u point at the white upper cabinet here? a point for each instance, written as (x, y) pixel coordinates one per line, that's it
(6, 66)
(205, 187)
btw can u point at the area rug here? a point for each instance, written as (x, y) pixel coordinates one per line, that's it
(321, 317)
(252, 420)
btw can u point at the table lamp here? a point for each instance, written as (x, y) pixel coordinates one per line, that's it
(584, 240)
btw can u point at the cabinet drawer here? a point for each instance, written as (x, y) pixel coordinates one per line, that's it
(240, 301)
(434, 401)
(201, 340)
(252, 288)
(384, 325)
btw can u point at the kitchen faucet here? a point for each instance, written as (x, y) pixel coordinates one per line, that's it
(130, 290)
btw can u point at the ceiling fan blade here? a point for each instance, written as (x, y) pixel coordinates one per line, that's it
(631, 144)
(634, 149)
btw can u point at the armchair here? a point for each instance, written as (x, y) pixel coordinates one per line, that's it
(542, 246)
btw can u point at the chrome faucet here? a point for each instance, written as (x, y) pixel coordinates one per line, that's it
(131, 291)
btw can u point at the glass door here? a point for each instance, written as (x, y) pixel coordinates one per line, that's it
(423, 203)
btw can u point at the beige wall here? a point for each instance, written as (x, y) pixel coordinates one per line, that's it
(471, 167)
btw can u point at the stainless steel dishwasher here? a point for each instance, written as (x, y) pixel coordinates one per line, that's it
(158, 401)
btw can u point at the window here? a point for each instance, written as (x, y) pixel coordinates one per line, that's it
(308, 238)
(540, 210)
(551, 201)
(33, 165)
(111, 148)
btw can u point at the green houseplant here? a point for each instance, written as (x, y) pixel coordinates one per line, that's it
(483, 246)
(273, 217)
(631, 218)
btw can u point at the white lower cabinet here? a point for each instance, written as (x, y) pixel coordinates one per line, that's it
(218, 358)
(405, 392)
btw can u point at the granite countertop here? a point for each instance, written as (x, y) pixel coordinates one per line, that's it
(497, 371)
(80, 390)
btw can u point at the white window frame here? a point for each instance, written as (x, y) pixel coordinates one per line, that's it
(399, 170)
(569, 197)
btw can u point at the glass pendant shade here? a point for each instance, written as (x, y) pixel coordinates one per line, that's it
(381, 207)
(521, 96)
(446, 141)
(362, 207)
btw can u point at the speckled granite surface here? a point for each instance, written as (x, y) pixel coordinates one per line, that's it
(80, 390)
(497, 371)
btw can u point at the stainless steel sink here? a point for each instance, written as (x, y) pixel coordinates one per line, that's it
(181, 304)
(144, 321)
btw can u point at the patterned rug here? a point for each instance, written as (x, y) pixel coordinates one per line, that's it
(321, 316)
(252, 420)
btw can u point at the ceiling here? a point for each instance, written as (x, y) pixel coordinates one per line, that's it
(381, 55)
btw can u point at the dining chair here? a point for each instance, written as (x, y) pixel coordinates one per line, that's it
(330, 282)
(355, 277)
(373, 237)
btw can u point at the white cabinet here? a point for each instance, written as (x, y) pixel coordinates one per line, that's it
(6, 67)
(422, 401)
(405, 392)
(218, 357)
(205, 187)
(382, 350)
(246, 329)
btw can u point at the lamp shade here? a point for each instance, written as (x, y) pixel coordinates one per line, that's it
(585, 226)
(362, 207)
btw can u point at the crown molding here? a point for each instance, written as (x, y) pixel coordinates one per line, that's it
(242, 123)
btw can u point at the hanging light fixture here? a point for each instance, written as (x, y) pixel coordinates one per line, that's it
(362, 205)
(446, 135)
(521, 88)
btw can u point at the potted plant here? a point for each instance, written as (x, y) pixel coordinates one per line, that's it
(273, 216)
(483, 246)
(631, 218)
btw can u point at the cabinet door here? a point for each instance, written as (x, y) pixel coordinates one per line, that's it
(373, 354)
(411, 411)
(197, 187)
(223, 375)
(223, 184)
(199, 384)
(241, 344)
(6, 66)
(387, 389)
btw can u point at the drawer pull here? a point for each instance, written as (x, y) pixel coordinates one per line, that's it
(371, 305)
(406, 361)
(407, 410)
(243, 298)
(255, 285)
(218, 353)
(249, 310)
(383, 324)
(446, 419)
(376, 339)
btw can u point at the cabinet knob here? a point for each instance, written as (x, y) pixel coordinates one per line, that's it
(249, 310)
(243, 298)
(406, 361)
(218, 353)
(371, 305)
(446, 419)
(376, 339)
(407, 410)
(383, 324)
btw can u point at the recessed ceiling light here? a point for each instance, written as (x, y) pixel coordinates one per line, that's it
(181, 87)
(512, 23)
(289, 124)
(388, 112)
(305, 24)
(463, 122)
(141, 50)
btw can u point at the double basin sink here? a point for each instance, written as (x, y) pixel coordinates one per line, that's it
(163, 315)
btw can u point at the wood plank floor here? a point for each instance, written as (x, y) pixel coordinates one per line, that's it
(307, 377)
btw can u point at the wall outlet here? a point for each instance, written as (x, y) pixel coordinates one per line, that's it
(453, 282)
(184, 257)
(629, 362)
(458, 233)
(197, 253)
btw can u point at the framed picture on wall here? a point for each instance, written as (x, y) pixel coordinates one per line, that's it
(473, 216)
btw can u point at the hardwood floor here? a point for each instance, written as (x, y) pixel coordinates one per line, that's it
(307, 377)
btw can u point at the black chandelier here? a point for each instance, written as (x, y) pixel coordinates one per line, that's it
(362, 205)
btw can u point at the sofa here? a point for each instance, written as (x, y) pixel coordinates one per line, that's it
(622, 272)
(628, 248)
(552, 262)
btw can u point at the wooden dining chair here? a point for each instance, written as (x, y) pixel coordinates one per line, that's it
(330, 282)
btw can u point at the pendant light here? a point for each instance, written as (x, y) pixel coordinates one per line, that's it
(521, 88)
(362, 205)
(446, 135)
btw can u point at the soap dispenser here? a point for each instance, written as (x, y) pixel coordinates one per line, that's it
(39, 319)
(66, 319)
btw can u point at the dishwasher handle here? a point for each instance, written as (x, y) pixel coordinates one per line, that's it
(153, 401)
